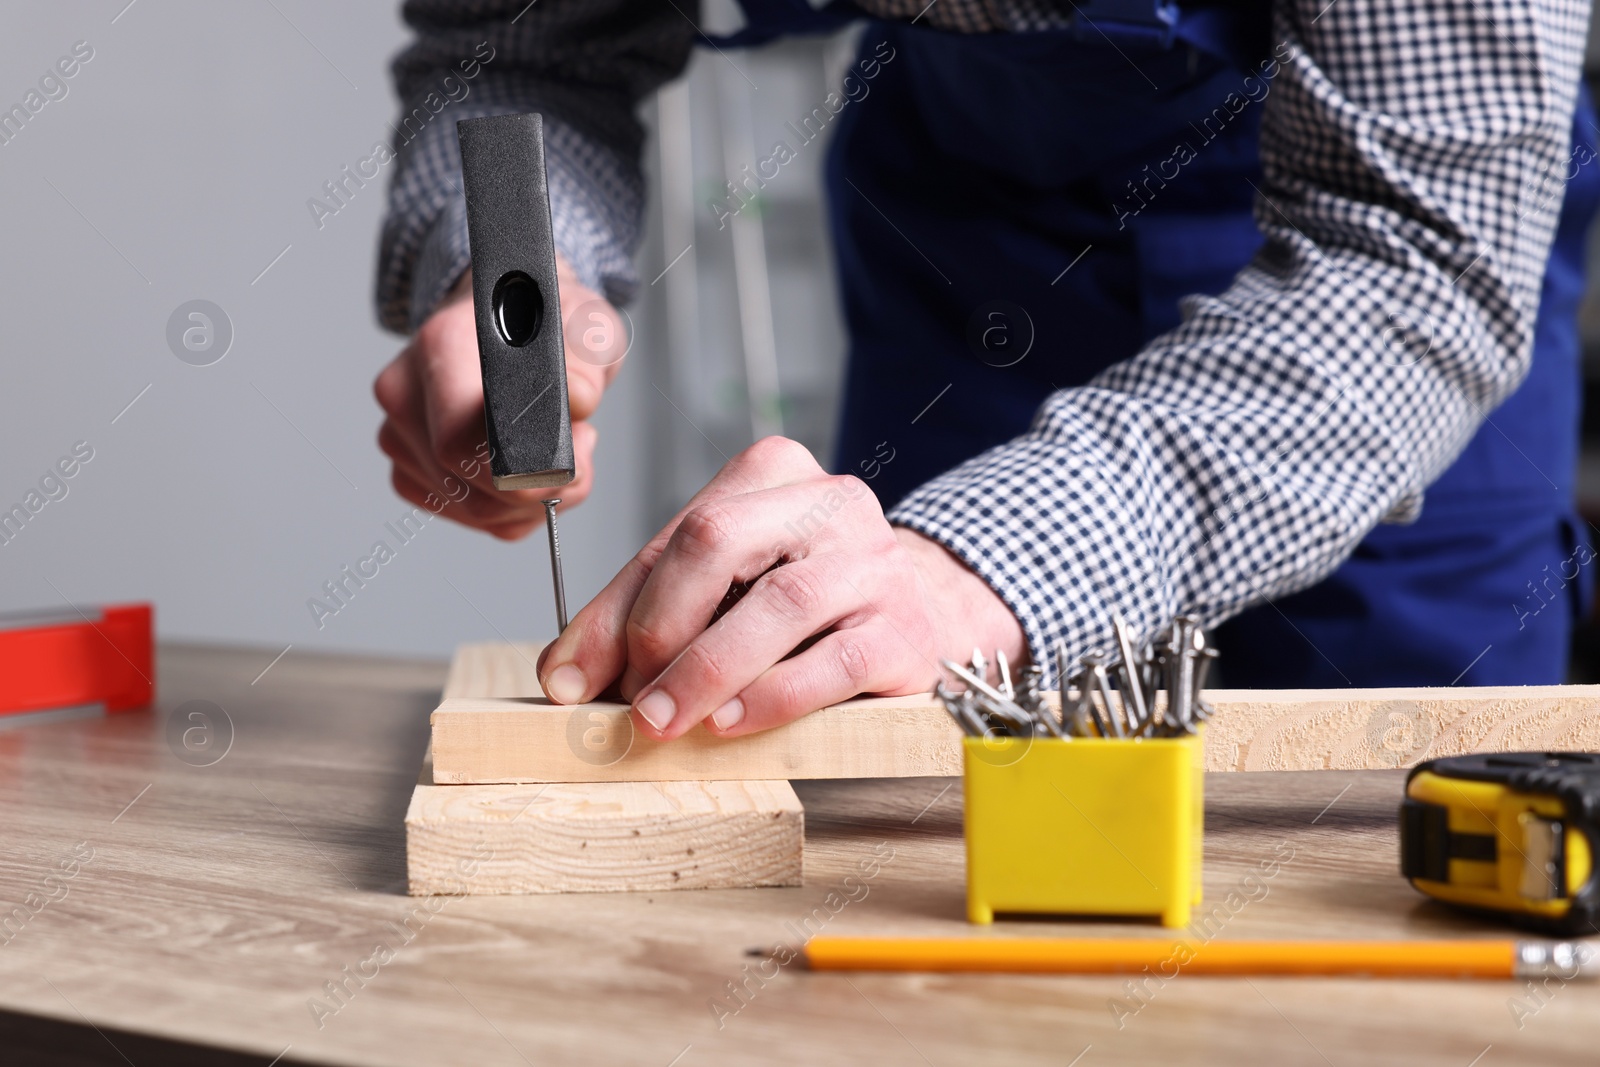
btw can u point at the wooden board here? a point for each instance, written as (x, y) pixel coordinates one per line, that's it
(602, 837)
(597, 837)
(528, 739)
(524, 738)
(1378, 729)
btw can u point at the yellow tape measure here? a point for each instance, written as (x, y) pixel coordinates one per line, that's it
(1513, 833)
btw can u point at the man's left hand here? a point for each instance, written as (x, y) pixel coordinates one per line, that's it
(886, 602)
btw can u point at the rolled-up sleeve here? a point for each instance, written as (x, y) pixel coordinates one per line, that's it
(1407, 208)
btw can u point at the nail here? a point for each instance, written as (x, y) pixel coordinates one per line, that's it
(657, 709)
(729, 715)
(566, 684)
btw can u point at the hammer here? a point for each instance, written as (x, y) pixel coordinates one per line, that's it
(516, 303)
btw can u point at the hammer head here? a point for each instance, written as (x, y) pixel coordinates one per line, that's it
(516, 301)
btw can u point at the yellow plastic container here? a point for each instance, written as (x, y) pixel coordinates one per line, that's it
(1087, 826)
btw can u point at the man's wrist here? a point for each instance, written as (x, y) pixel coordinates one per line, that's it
(965, 609)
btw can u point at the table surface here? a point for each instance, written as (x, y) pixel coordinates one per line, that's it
(216, 901)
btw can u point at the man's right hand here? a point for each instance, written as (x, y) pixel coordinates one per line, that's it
(432, 394)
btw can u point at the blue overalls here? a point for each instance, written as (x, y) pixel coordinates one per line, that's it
(972, 177)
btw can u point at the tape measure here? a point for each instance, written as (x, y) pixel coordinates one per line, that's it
(1513, 833)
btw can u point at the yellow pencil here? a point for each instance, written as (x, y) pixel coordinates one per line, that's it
(1504, 958)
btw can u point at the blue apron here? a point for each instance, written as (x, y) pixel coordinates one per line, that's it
(966, 184)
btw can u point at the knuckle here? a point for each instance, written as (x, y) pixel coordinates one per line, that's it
(703, 666)
(648, 556)
(708, 530)
(856, 492)
(778, 451)
(646, 642)
(790, 694)
(848, 484)
(854, 662)
(850, 487)
(387, 388)
(796, 590)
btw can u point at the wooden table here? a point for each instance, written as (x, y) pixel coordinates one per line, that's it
(219, 899)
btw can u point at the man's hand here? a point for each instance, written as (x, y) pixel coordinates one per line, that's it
(432, 394)
(887, 602)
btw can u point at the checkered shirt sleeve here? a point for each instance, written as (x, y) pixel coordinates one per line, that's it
(1411, 157)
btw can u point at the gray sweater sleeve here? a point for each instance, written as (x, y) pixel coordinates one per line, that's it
(585, 65)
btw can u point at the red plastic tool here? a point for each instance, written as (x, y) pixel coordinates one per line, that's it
(65, 660)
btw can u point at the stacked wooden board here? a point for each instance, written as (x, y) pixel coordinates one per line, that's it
(544, 837)
(525, 796)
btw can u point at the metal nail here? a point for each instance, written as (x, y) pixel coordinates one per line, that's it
(990, 699)
(1095, 664)
(1074, 716)
(555, 564)
(948, 698)
(1202, 709)
(1084, 717)
(1133, 691)
(977, 725)
(1030, 698)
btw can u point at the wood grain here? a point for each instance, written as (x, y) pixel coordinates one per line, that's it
(1335, 729)
(494, 669)
(603, 837)
(596, 837)
(223, 902)
(516, 735)
(528, 739)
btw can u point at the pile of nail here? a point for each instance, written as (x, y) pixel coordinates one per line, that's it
(1109, 695)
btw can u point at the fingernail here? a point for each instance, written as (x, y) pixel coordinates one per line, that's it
(729, 715)
(657, 709)
(566, 684)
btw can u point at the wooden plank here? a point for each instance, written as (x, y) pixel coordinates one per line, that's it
(524, 738)
(596, 837)
(1378, 729)
(604, 837)
(528, 739)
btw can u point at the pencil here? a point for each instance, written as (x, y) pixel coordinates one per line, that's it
(1503, 958)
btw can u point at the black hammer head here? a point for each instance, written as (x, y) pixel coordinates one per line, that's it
(516, 301)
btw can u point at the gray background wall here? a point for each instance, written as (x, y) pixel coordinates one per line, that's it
(178, 167)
